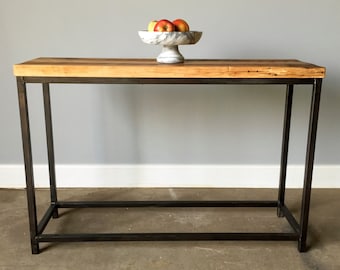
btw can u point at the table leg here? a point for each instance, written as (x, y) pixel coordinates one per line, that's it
(307, 186)
(50, 147)
(284, 148)
(27, 150)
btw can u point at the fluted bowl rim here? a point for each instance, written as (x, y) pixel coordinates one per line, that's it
(170, 38)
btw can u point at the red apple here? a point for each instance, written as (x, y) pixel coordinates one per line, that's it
(164, 26)
(181, 25)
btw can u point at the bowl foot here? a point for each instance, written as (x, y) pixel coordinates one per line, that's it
(170, 55)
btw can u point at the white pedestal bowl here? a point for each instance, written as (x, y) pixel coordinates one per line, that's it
(170, 41)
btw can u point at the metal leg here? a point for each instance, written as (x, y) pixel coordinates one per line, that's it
(284, 148)
(50, 147)
(26, 140)
(313, 121)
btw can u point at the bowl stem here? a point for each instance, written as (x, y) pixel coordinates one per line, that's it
(170, 55)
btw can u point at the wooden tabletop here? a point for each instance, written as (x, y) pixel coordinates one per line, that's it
(149, 68)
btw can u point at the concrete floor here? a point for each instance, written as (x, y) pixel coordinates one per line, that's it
(324, 232)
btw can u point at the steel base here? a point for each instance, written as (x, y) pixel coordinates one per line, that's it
(37, 228)
(178, 236)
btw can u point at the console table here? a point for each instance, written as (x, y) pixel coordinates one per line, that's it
(47, 71)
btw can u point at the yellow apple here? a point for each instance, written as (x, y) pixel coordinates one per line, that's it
(151, 25)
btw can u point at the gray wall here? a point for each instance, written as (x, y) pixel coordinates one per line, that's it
(170, 124)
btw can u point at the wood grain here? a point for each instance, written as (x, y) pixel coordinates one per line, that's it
(149, 68)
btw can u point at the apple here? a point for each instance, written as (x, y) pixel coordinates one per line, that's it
(181, 25)
(164, 26)
(151, 25)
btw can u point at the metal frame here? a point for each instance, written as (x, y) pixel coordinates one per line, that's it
(37, 234)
